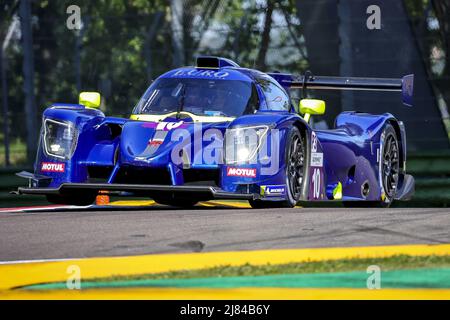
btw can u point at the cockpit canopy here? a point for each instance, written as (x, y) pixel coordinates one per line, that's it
(199, 96)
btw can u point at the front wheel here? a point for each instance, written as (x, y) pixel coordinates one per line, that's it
(295, 172)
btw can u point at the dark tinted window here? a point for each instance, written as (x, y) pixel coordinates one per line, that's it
(276, 97)
(202, 97)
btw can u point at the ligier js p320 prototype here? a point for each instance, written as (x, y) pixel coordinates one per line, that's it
(219, 131)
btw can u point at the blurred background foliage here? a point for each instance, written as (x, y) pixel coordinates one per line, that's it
(117, 56)
(124, 44)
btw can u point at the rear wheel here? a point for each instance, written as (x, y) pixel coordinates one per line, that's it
(295, 168)
(390, 165)
(388, 171)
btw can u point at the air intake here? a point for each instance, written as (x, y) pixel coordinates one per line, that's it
(209, 62)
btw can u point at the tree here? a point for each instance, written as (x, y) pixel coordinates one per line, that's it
(442, 12)
(265, 37)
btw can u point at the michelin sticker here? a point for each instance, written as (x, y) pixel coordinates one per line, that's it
(279, 190)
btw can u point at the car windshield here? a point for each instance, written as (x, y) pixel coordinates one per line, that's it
(202, 97)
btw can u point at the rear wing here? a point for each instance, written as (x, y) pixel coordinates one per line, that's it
(308, 81)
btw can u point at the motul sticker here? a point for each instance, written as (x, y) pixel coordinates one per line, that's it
(52, 167)
(241, 172)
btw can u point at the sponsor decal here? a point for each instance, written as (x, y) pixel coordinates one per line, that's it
(167, 126)
(164, 126)
(241, 172)
(313, 142)
(155, 142)
(201, 73)
(53, 167)
(277, 190)
(316, 184)
(316, 159)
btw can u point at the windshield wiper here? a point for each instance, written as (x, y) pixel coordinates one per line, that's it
(182, 91)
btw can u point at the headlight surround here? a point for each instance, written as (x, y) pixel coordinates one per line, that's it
(242, 143)
(60, 138)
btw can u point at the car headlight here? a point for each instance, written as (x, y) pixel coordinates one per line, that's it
(60, 138)
(242, 144)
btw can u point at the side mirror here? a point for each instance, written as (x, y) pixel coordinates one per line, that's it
(311, 106)
(90, 99)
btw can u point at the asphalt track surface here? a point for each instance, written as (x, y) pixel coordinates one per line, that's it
(145, 230)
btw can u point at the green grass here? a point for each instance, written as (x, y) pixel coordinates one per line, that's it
(391, 263)
(17, 153)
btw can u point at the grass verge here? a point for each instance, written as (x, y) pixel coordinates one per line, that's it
(398, 262)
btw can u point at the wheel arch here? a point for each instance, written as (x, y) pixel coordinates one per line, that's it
(399, 128)
(400, 132)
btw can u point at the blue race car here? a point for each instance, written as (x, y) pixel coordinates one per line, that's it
(219, 131)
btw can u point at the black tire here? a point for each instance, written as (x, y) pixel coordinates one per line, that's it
(74, 200)
(295, 172)
(389, 171)
(390, 165)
